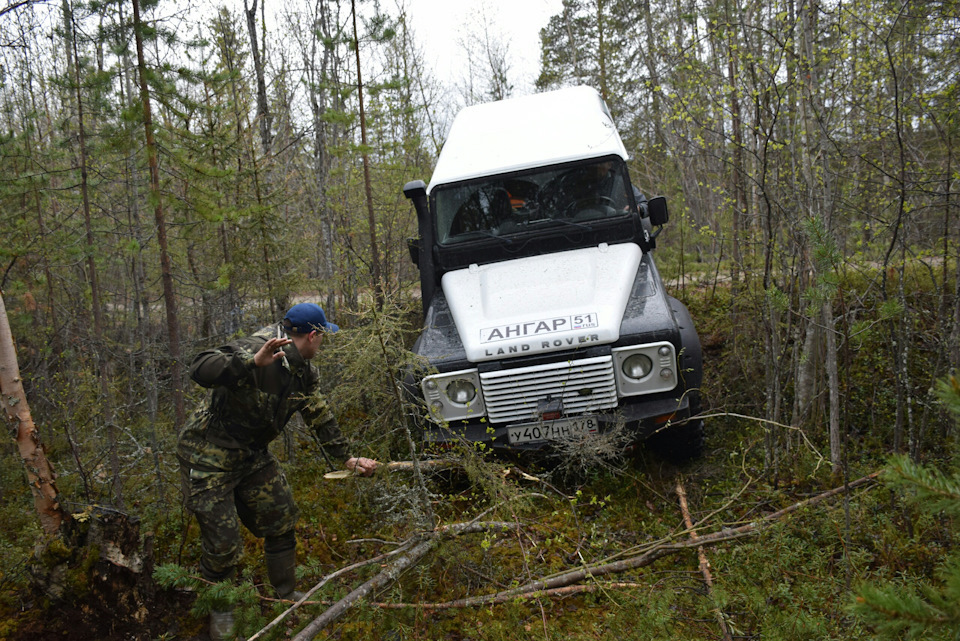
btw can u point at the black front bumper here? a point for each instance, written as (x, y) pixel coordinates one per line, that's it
(640, 416)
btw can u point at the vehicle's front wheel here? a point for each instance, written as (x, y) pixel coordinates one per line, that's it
(679, 443)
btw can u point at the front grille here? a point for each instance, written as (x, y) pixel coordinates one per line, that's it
(585, 385)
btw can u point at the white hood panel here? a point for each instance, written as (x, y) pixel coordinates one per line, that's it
(542, 303)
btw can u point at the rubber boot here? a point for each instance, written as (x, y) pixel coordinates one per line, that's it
(221, 625)
(282, 572)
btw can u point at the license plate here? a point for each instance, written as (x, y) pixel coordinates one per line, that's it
(552, 430)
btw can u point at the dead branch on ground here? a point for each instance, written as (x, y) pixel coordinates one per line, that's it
(701, 555)
(309, 593)
(410, 552)
(664, 548)
(558, 585)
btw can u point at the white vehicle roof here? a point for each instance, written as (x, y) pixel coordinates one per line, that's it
(531, 131)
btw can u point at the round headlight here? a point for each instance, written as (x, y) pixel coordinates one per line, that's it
(430, 384)
(637, 366)
(461, 391)
(664, 351)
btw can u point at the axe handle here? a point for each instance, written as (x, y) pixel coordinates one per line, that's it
(407, 466)
(396, 466)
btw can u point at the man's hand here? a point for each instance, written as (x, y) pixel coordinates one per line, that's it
(362, 466)
(270, 351)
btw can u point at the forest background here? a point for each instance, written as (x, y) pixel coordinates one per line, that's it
(167, 185)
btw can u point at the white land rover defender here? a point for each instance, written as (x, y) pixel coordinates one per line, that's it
(544, 314)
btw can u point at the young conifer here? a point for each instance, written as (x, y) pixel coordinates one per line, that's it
(926, 609)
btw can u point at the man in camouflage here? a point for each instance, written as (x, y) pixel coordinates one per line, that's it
(229, 475)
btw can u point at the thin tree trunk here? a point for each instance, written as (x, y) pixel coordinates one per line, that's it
(650, 60)
(806, 364)
(601, 53)
(328, 65)
(368, 190)
(40, 474)
(263, 108)
(166, 275)
(100, 349)
(833, 383)
(141, 303)
(736, 125)
(278, 301)
(900, 327)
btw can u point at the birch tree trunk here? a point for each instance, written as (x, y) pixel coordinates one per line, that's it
(40, 474)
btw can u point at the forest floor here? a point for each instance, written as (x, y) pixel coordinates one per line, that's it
(795, 577)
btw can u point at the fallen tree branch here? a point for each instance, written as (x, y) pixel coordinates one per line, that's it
(460, 603)
(561, 584)
(701, 555)
(657, 551)
(564, 591)
(381, 580)
(393, 572)
(324, 581)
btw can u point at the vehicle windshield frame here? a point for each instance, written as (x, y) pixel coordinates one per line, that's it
(504, 207)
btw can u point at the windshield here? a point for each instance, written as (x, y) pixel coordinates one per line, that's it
(500, 206)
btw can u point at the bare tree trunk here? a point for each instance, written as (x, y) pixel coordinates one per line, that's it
(278, 300)
(141, 303)
(650, 60)
(955, 334)
(368, 190)
(771, 346)
(321, 158)
(166, 275)
(833, 383)
(806, 364)
(820, 207)
(900, 329)
(736, 125)
(601, 53)
(40, 474)
(100, 349)
(263, 108)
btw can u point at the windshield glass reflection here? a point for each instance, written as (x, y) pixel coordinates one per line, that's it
(569, 196)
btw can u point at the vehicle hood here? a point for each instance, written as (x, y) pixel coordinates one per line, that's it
(544, 303)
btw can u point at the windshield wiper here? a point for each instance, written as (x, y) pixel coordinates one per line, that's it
(481, 232)
(564, 221)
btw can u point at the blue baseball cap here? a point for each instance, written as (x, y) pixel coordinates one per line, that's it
(303, 318)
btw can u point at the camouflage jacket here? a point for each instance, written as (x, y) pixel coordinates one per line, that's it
(249, 405)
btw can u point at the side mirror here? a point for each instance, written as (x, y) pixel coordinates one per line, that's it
(657, 210)
(413, 246)
(415, 189)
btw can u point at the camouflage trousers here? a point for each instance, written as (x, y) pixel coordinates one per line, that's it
(245, 486)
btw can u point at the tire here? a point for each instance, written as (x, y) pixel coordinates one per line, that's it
(679, 443)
